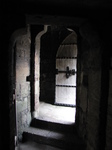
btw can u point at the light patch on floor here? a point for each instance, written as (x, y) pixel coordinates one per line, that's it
(59, 114)
(35, 146)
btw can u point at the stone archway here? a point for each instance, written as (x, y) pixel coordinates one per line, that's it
(37, 71)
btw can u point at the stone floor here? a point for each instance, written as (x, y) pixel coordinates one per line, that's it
(35, 146)
(59, 114)
(52, 113)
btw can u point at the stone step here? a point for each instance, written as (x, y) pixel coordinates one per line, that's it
(53, 138)
(53, 126)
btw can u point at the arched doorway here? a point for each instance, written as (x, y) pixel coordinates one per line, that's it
(49, 43)
(66, 71)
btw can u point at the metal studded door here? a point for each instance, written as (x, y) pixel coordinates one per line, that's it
(66, 72)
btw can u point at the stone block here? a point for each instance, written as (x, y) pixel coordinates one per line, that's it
(24, 119)
(21, 105)
(28, 118)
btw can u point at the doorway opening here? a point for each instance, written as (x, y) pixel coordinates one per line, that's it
(57, 99)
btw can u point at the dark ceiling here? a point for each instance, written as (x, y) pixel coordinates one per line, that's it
(77, 8)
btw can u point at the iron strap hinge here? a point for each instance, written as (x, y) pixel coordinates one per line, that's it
(67, 71)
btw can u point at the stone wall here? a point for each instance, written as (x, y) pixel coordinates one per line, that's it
(22, 85)
(109, 117)
(109, 106)
(89, 87)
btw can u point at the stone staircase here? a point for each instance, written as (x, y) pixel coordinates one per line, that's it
(54, 134)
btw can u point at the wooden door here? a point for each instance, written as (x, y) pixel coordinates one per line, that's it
(66, 60)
